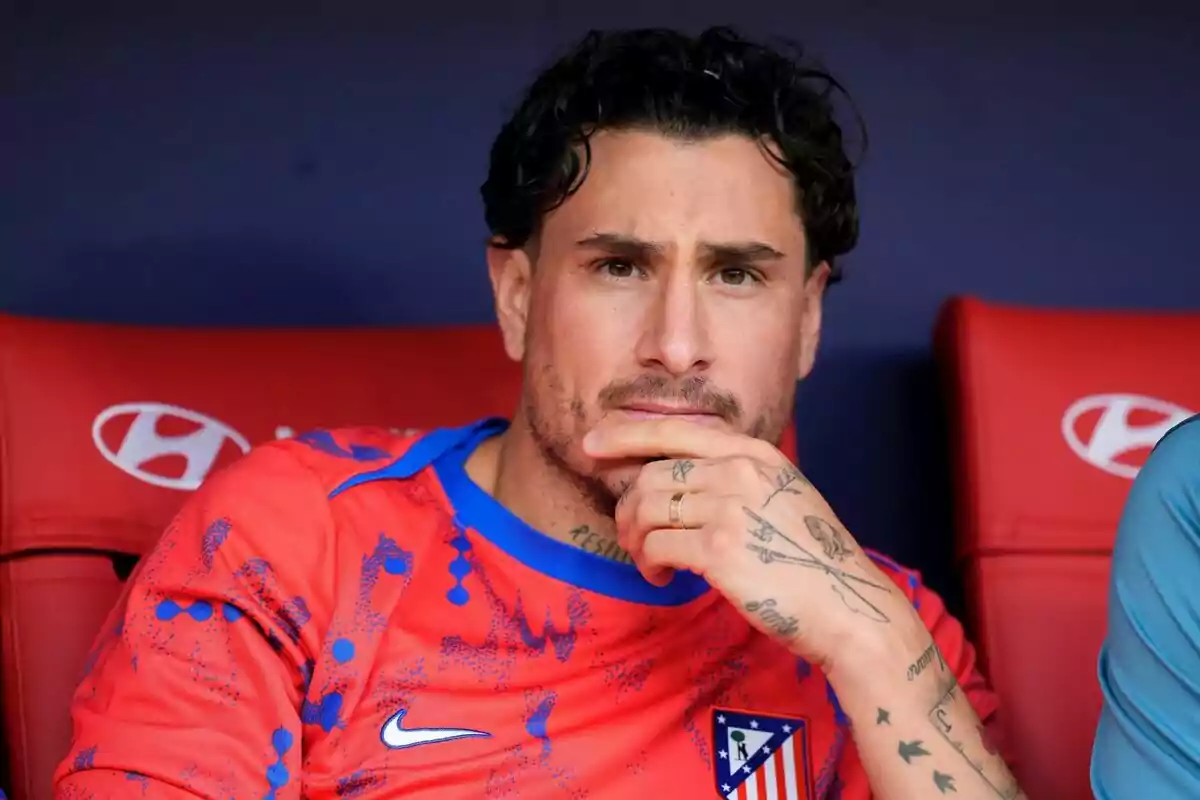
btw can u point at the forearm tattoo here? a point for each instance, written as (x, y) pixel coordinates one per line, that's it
(970, 742)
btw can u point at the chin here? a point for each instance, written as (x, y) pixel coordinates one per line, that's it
(617, 480)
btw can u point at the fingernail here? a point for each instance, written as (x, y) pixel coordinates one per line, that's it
(659, 577)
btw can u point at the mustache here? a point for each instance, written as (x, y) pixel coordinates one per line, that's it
(695, 391)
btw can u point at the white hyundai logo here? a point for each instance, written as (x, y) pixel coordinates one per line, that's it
(143, 443)
(1115, 433)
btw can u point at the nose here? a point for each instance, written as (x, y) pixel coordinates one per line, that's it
(675, 338)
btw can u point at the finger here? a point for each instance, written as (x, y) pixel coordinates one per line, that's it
(680, 475)
(666, 550)
(643, 511)
(657, 576)
(674, 438)
(727, 476)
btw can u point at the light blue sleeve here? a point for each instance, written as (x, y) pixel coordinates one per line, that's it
(1148, 741)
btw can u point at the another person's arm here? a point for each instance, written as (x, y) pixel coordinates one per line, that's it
(1148, 741)
(195, 685)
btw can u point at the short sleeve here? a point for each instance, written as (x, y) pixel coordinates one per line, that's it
(1148, 740)
(195, 686)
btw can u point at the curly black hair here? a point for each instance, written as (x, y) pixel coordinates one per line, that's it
(691, 87)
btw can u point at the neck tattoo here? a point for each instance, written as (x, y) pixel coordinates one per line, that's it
(589, 540)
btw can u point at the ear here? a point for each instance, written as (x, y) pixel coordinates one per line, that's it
(511, 272)
(810, 322)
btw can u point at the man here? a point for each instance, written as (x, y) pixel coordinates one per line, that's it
(627, 591)
(1146, 745)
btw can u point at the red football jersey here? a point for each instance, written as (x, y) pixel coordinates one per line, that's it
(347, 614)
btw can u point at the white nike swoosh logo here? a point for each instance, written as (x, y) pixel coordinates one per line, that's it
(398, 738)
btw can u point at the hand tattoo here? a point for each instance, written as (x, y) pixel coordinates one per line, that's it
(681, 468)
(765, 532)
(787, 480)
(829, 537)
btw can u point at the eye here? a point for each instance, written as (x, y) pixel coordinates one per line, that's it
(736, 276)
(618, 268)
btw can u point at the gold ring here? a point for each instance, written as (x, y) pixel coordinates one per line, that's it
(675, 513)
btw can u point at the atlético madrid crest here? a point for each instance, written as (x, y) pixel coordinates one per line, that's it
(761, 756)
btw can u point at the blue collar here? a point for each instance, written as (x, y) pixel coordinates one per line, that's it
(447, 450)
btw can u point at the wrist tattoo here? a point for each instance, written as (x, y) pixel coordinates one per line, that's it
(924, 660)
(593, 542)
(972, 745)
(984, 759)
(769, 615)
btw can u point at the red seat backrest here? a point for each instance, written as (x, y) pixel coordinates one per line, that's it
(1053, 414)
(107, 428)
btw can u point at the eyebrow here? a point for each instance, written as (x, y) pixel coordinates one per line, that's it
(632, 247)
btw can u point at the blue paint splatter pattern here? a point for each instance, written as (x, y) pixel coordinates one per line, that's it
(289, 614)
(400, 685)
(339, 674)
(359, 782)
(460, 566)
(85, 759)
(390, 560)
(324, 442)
(626, 678)
(828, 777)
(214, 536)
(277, 774)
(839, 716)
(142, 781)
(511, 637)
(537, 721)
(524, 764)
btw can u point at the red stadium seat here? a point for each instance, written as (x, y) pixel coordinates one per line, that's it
(1053, 414)
(107, 428)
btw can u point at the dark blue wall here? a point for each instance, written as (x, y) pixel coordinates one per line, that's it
(319, 163)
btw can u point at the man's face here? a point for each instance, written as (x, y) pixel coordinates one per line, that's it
(673, 282)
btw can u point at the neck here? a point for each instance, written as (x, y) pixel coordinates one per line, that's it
(514, 470)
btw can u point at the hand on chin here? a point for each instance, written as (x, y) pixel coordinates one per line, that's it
(733, 509)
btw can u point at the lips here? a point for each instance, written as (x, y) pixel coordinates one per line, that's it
(652, 411)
